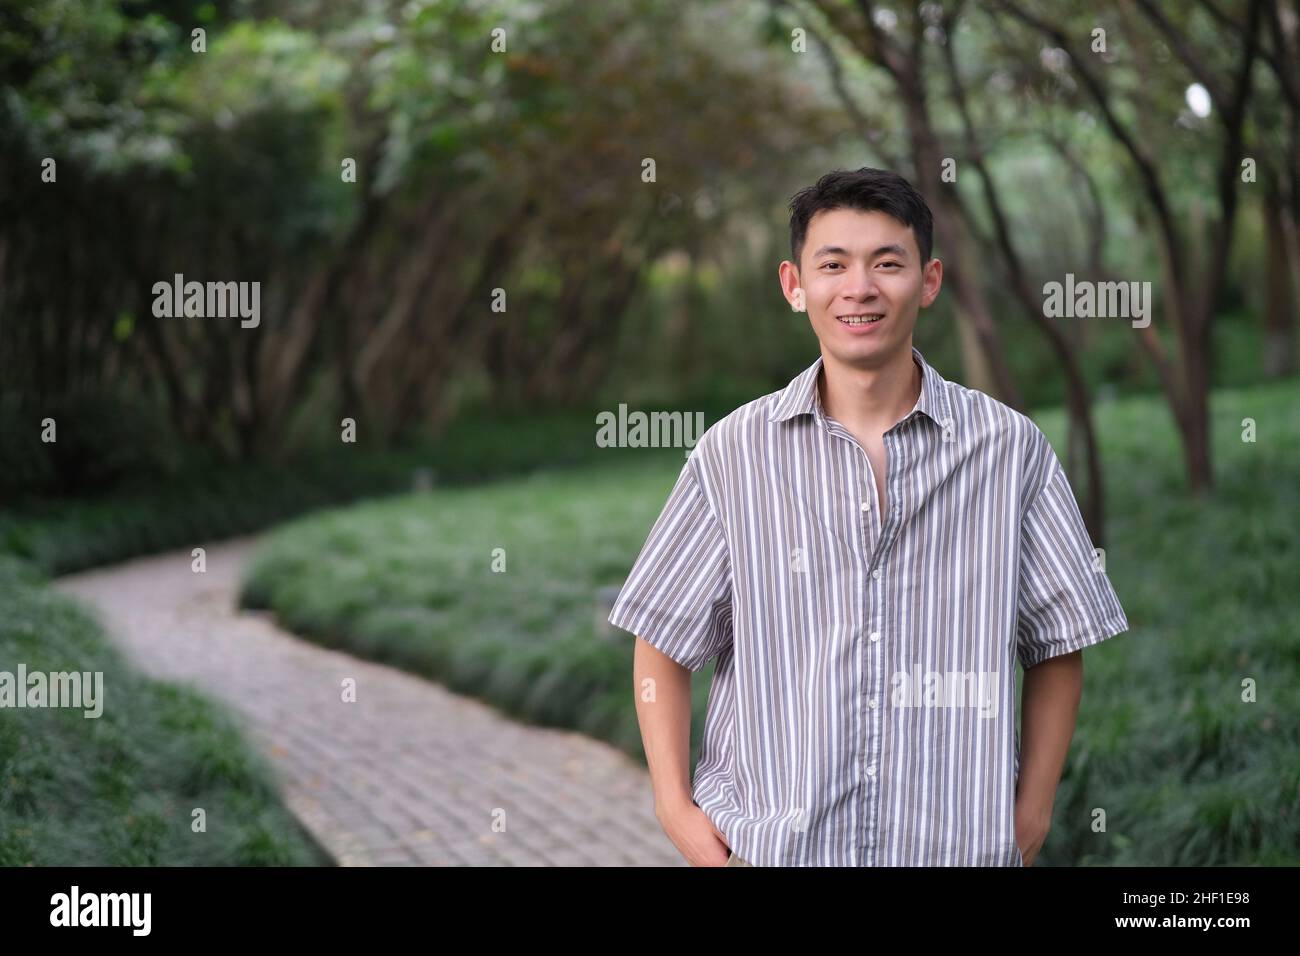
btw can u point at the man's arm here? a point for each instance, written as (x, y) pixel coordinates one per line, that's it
(1049, 707)
(663, 709)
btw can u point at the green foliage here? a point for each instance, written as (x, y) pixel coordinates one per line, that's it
(119, 789)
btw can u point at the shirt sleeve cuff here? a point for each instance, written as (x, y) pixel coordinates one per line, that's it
(1085, 637)
(647, 627)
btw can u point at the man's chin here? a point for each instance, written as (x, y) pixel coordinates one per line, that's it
(865, 354)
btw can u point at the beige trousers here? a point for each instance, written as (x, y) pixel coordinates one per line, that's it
(734, 860)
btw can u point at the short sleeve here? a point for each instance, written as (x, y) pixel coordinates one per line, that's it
(677, 596)
(1064, 602)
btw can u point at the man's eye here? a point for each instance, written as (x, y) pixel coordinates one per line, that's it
(830, 264)
(896, 265)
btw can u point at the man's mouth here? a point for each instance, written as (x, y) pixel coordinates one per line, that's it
(865, 318)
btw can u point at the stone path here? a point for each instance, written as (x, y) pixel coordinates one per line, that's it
(409, 774)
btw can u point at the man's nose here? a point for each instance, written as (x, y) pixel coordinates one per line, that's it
(859, 283)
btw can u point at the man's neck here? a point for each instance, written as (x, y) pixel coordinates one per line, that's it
(870, 400)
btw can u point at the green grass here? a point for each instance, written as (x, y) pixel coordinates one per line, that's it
(120, 789)
(1185, 771)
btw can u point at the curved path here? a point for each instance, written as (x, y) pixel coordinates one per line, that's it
(410, 773)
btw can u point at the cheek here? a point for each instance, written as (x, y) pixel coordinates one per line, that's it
(907, 289)
(821, 295)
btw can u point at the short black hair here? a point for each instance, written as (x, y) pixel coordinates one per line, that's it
(866, 189)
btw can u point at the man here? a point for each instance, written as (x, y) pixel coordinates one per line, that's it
(868, 552)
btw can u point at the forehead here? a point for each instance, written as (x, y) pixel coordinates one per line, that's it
(858, 232)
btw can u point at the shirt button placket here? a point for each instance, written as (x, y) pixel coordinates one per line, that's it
(872, 669)
(875, 718)
(875, 529)
(876, 715)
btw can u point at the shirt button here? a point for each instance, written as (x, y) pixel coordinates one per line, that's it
(866, 506)
(876, 574)
(872, 703)
(871, 771)
(875, 635)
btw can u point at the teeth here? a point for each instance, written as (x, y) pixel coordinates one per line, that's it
(860, 319)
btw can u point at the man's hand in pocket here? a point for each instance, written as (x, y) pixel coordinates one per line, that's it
(1032, 825)
(694, 835)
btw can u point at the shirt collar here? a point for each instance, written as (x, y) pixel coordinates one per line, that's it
(800, 397)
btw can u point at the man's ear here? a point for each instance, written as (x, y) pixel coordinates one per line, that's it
(789, 275)
(931, 282)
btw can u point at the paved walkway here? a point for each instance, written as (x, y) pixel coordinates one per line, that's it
(410, 773)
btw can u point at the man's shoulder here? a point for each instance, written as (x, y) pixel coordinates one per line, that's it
(744, 423)
(992, 427)
(991, 421)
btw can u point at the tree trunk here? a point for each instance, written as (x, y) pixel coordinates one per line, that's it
(1279, 305)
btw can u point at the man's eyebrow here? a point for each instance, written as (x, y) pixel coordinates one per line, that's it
(892, 249)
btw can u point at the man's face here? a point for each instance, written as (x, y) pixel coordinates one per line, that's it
(867, 265)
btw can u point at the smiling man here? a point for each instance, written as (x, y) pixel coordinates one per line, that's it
(845, 547)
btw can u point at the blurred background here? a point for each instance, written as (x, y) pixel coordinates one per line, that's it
(477, 227)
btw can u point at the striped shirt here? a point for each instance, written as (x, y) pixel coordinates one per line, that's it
(862, 710)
